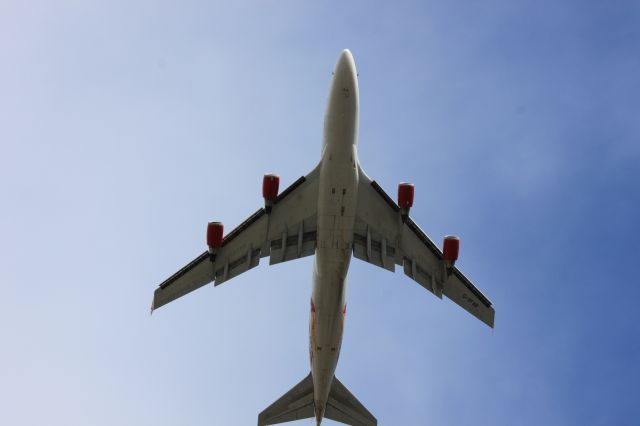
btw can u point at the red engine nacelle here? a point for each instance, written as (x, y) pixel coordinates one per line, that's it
(270, 186)
(450, 250)
(405, 199)
(215, 234)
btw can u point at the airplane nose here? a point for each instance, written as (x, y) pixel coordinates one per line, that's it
(346, 55)
(346, 64)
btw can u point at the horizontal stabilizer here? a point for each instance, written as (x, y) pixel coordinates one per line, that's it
(293, 405)
(343, 407)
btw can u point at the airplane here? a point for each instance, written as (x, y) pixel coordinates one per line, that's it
(335, 212)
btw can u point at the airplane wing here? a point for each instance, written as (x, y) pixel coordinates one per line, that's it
(383, 240)
(287, 233)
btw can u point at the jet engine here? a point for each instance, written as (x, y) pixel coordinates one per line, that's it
(405, 199)
(450, 250)
(270, 185)
(215, 233)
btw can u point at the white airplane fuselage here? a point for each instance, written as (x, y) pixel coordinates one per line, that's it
(336, 217)
(334, 212)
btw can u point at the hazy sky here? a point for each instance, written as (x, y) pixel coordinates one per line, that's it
(125, 126)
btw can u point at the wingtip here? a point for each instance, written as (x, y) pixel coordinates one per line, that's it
(492, 321)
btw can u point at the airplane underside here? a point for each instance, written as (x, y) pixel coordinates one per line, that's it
(335, 212)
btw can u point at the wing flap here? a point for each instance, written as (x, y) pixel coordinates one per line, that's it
(422, 276)
(233, 267)
(373, 247)
(299, 241)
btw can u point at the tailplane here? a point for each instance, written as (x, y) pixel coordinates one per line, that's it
(343, 407)
(297, 404)
(293, 405)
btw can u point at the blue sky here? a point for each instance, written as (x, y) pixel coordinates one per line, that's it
(126, 126)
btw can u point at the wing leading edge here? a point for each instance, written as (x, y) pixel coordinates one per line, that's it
(382, 239)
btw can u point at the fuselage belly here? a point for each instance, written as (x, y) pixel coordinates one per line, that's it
(336, 217)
